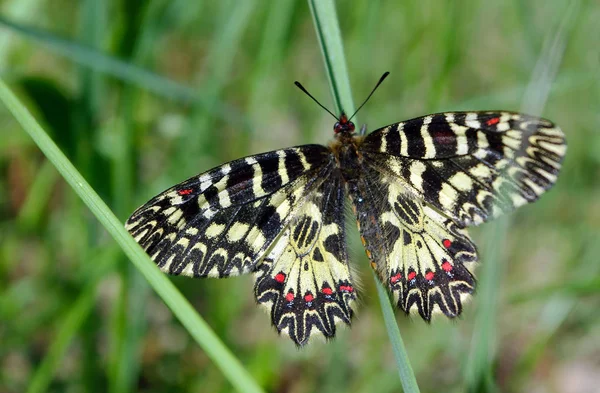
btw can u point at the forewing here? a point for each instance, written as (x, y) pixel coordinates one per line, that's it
(222, 222)
(305, 280)
(473, 166)
(421, 255)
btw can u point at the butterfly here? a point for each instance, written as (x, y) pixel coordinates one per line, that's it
(414, 186)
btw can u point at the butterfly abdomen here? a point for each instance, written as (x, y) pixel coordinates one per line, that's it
(351, 166)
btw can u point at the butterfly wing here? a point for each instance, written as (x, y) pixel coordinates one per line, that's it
(427, 178)
(420, 254)
(305, 280)
(472, 166)
(278, 214)
(223, 222)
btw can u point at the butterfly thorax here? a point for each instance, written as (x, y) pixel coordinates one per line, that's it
(345, 148)
(347, 156)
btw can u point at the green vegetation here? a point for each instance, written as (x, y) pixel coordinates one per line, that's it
(141, 95)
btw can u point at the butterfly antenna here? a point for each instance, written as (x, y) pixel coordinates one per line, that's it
(314, 99)
(372, 91)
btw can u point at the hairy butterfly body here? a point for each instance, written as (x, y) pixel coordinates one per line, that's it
(414, 186)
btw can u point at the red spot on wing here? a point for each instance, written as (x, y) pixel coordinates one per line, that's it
(187, 191)
(394, 279)
(308, 298)
(289, 297)
(447, 243)
(492, 121)
(446, 266)
(346, 288)
(429, 276)
(411, 276)
(280, 277)
(327, 291)
(443, 136)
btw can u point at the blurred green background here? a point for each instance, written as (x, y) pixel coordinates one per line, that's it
(141, 95)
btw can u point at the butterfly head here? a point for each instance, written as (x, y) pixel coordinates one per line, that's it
(343, 125)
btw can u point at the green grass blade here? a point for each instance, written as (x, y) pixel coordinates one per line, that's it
(187, 315)
(560, 301)
(98, 61)
(122, 70)
(479, 372)
(71, 322)
(21, 10)
(128, 323)
(271, 52)
(407, 376)
(220, 62)
(328, 33)
(39, 195)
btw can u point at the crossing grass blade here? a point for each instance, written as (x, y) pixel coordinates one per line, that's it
(98, 61)
(329, 36)
(187, 315)
(479, 370)
(122, 70)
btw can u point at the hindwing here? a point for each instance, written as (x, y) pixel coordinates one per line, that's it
(423, 257)
(305, 280)
(473, 166)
